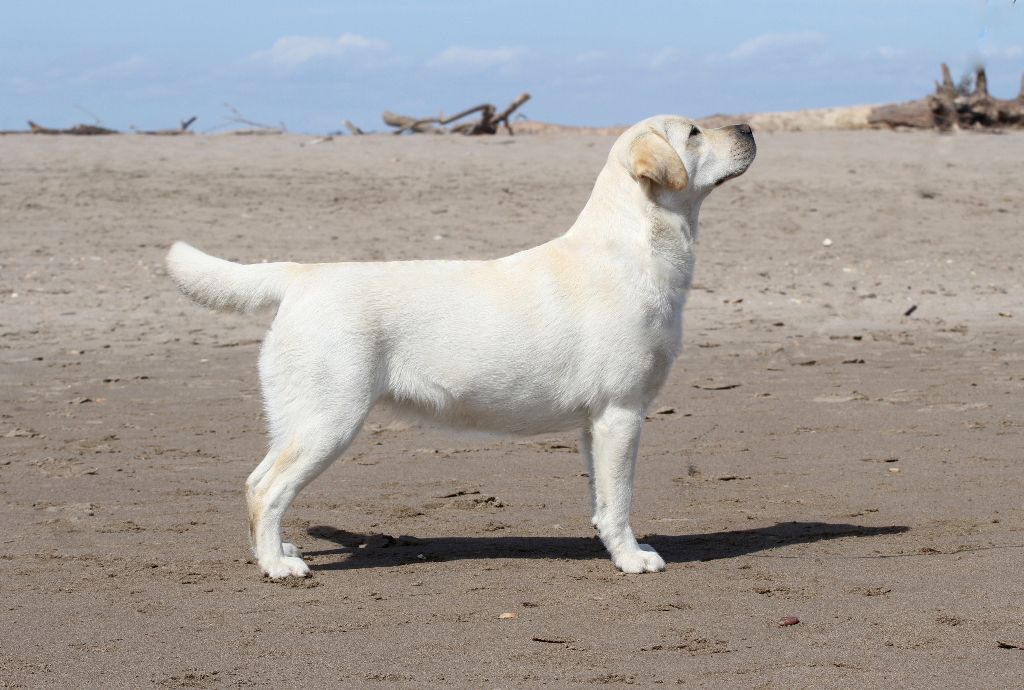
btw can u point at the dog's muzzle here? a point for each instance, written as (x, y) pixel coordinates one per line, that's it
(743, 151)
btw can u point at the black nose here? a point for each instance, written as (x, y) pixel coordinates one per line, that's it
(744, 129)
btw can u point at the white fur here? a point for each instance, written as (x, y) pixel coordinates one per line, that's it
(222, 284)
(579, 332)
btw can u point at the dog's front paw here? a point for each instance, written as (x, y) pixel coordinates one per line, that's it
(643, 560)
(285, 567)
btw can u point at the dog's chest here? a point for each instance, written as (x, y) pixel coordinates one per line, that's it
(648, 341)
(662, 328)
(670, 274)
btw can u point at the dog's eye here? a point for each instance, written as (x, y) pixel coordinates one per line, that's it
(694, 133)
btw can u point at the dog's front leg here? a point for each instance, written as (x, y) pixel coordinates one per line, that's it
(615, 436)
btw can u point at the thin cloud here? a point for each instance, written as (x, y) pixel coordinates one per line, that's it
(477, 58)
(115, 70)
(887, 53)
(590, 56)
(766, 43)
(663, 57)
(289, 52)
(1008, 52)
(20, 82)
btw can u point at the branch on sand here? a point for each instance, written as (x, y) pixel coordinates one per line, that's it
(170, 132)
(236, 118)
(351, 127)
(488, 123)
(82, 130)
(93, 130)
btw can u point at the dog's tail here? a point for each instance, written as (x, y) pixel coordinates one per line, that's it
(222, 284)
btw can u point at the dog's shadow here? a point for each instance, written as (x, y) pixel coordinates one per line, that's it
(381, 550)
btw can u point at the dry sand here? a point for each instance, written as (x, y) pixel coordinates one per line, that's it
(826, 457)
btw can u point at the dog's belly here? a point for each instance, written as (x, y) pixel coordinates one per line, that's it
(525, 389)
(523, 420)
(508, 394)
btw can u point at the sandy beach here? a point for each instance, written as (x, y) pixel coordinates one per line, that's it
(840, 441)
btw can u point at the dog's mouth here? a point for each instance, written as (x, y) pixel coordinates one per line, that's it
(747, 155)
(731, 176)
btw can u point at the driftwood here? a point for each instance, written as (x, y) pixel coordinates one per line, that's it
(85, 130)
(427, 124)
(488, 123)
(254, 127)
(350, 126)
(318, 140)
(951, 106)
(89, 130)
(183, 129)
(404, 122)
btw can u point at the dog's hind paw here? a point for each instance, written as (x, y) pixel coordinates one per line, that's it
(643, 560)
(288, 566)
(290, 549)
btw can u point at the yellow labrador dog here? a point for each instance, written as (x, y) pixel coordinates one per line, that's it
(579, 332)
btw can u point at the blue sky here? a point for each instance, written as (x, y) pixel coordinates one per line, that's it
(311, 63)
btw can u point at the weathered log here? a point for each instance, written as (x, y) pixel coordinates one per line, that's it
(485, 125)
(947, 85)
(415, 123)
(254, 127)
(170, 132)
(504, 115)
(981, 83)
(488, 122)
(81, 130)
(405, 122)
(981, 109)
(947, 108)
(914, 114)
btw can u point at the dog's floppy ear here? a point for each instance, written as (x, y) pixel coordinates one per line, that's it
(652, 157)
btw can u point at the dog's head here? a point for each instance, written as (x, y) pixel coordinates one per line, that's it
(668, 154)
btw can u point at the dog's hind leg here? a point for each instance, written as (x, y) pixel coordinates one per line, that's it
(311, 430)
(251, 482)
(315, 405)
(252, 502)
(286, 470)
(616, 437)
(587, 451)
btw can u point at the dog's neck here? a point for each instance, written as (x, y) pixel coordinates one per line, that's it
(653, 224)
